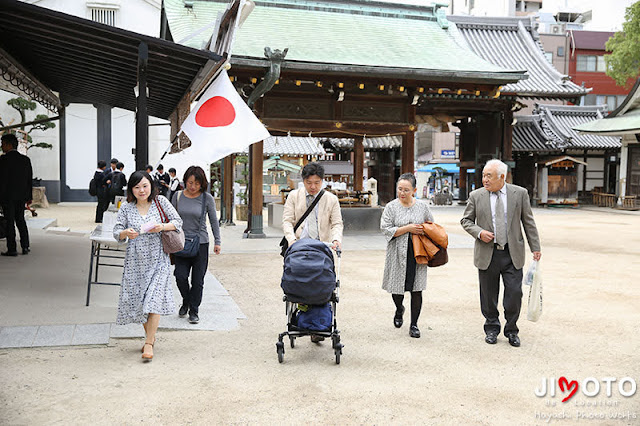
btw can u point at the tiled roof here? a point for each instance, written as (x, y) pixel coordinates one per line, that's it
(528, 136)
(562, 118)
(331, 34)
(369, 144)
(292, 145)
(550, 130)
(513, 43)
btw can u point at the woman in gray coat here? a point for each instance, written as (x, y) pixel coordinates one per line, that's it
(401, 218)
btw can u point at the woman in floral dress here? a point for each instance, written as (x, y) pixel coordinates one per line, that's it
(146, 291)
(401, 218)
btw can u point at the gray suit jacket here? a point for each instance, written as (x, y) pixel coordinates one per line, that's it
(477, 217)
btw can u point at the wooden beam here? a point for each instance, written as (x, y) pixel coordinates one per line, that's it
(359, 127)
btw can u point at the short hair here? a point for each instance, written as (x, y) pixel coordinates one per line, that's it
(120, 165)
(135, 179)
(408, 177)
(172, 170)
(114, 161)
(149, 167)
(101, 164)
(199, 175)
(160, 167)
(313, 169)
(501, 167)
(11, 139)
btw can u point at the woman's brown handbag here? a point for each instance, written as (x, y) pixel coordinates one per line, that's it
(172, 241)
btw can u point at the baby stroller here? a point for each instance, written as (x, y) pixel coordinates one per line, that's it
(309, 281)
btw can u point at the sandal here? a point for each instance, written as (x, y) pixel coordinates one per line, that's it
(147, 357)
(154, 342)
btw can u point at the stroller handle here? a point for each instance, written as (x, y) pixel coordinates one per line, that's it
(338, 250)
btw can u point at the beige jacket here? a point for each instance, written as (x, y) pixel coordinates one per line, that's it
(477, 217)
(329, 216)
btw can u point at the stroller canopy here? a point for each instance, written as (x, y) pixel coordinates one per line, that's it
(309, 275)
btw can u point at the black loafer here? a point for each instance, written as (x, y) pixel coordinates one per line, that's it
(397, 318)
(10, 253)
(194, 318)
(26, 250)
(491, 338)
(514, 340)
(183, 310)
(414, 331)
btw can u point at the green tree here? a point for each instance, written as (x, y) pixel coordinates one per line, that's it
(624, 61)
(22, 106)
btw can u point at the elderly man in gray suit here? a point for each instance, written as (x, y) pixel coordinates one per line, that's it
(493, 216)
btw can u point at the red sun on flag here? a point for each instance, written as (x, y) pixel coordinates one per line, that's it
(215, 112)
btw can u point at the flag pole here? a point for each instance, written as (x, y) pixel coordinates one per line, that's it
(168, 149)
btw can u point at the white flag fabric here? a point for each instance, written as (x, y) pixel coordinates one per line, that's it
(221, 123)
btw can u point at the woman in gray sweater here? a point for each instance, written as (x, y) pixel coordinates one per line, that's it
(188, 203)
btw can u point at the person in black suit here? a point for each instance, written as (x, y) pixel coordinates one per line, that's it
(16, 185)
(98, 176)
(162, 180)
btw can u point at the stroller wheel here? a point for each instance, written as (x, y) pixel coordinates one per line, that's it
(280, 350)
(338, 352)
(292, 341)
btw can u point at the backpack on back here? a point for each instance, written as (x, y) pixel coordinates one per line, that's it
(93, 187)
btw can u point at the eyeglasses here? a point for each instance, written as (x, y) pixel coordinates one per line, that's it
(404, 190)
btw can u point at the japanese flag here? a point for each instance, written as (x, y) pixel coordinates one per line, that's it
(221, 123)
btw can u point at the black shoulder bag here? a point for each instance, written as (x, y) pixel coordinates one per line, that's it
(284, 244)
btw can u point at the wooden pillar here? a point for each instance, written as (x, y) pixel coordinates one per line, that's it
(408, 143)
(584, 174)
(407, 158)
(226, 193)
(142, 116)
(254, 227)
(358, 163)
(507, 137)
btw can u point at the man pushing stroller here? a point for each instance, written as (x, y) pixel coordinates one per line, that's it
(323, 221)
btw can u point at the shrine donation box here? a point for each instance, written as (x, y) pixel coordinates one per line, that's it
(558, 181)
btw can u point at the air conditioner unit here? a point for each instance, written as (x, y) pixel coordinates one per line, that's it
(556, 29)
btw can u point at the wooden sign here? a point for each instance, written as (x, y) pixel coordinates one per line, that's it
(563, 164)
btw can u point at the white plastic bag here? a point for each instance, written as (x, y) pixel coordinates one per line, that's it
(528, 277)
(534, 309)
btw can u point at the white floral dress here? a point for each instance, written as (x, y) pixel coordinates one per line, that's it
(146, 285)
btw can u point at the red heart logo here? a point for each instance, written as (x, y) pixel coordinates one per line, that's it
(215, 112)
(563, 382)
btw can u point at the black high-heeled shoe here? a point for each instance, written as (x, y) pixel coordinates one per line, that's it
(397, 318)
